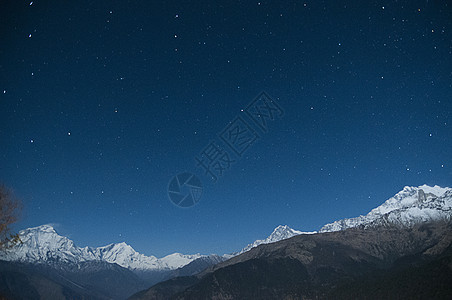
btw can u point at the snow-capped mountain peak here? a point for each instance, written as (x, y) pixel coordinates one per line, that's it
(45, 243)
(408, 197)
(43, 228)
(409, 206)
(281, 232)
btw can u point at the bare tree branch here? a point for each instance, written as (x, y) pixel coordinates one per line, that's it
(10, 207)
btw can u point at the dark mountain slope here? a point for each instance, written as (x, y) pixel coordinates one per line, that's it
(22, 281)
(355, 263)
(87, 280)
(413, 277)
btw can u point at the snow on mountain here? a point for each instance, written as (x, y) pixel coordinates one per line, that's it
(177, 260)
(410, 206)
(43, 244)
(125, 256)
(279, 233)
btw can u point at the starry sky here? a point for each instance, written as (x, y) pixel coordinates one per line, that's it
(102, 103)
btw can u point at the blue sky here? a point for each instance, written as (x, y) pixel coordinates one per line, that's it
(102, 104)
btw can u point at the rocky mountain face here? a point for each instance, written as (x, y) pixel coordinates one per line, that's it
(356, 263)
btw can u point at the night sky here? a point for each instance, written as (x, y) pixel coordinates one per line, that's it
(101, 104)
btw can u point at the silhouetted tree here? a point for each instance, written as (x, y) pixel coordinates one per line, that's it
(10, 207)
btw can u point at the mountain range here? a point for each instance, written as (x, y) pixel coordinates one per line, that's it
(43, 244)
(405, 241)
(62, 263)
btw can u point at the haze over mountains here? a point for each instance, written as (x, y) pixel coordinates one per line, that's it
(45, 254)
